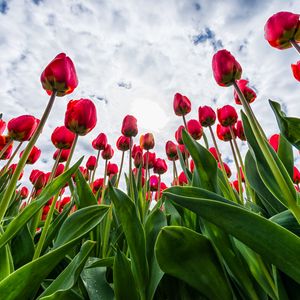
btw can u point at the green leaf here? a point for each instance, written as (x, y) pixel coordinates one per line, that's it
(287, 220)
(124, 286)
(194, 261)
(285, 153)
(6, 261)
(289, 127)
(67, 279)
(101, 262)
(273, 242)
(29, 211)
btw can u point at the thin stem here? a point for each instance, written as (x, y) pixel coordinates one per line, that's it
(121, 167)
(146, 174)
(237, 148)
(13, 156)
(184, 122)
(205, 140)
(52, 174)
(5, 147)
(104, 180)
(71, 152)
(97, 163)
(175, 170)
(130, 169)
(158, 190)
(295, 45)
(14, 179)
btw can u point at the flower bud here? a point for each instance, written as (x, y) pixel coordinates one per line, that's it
(207, 116)
(248, 93)
(112, 169)
(182, 179)
(178, 135)
(195, 129)
(227, 115)
(153, 183)
(62, 137)
(91, 163)
(274, 141)
(100, 142)
(181, 105)
(147, 141)
(123, 143)
(296, 70)
(34, 155)
(171, 151)
(98, 185)
(223, 133)
(108, 152)
(160, 166)
(63, 156)
(240, 131)
(129, 126)
(227, 169)
(214, 153)
(151, 159)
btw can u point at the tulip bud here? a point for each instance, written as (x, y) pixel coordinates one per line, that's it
(91, 163)
(207, 116)
(22, 128)
(223, 133)
(281, 28)
(147, 141)
(24, 192)
(192, 166)
(227, 169)
(136, 149)
(162, 187)
(240, 131)
(2, 126)
(181, 105)
(195, 129)
(296, 176)
(160, 166)
(112, 169)
(153, 183)
(100, 142)
(225, 68)
(138, 159)
(60, 76)
(129, 126)
(62, 137)
(248, 93)
(227, 115)
(235, 184)
(171, 151)
(4, 140)
(59, 170)
(123, 143)
(296, 70)
(214, 153)
(178, 135)
(34, 155)
(108, 152)
(63, 156)
(81, 116)
(182, 179)
(185, 153)
(97, 185)
(63, 203)
(12, 169)
(274, 141)
(151, 159)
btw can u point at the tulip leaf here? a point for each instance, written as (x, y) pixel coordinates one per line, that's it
(287, 220)
(289, 127)
(285, 153)
(6, 260)
(194, 261)
(274, 243)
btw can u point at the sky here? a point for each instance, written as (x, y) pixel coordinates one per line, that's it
(132, 56)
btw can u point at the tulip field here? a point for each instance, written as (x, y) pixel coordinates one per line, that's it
(130, 234)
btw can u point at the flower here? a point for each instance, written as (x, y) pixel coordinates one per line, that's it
(182, 179)
(91, 163)
(225, 68)
(60, 76)
(138, 159)
(112, 169)
(63, 202)
(24, 192)
(160, 166)
(22, 128)
(249, 94)
(62, 137)
(240, 130)
(85, 173)
(296, 70)
(227, 115)
(123, 143)
(227, 169)
(181, 105)
(235, 184)
(151, 159)
(2, 126)
(171, 151)
(63, 156)
(135, 149)
(12, 168)
(207, 116)
(195, 129)
(129, 126)
(153, 183)
(281, 28)
(147, 141)
(108, 152)
(178, 135)
(81, 116)
(100, 142)
(223, 133)
(274, 141)
(185, 153)
(4, 140)
(38, 179)
(59, 170)
(296, 176)
(34, 155)
(98, 185)
(214, 153)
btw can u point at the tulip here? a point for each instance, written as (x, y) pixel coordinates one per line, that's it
(235, 184)
(195, 129)
(274, 141)
(185, 153)
(240, 131)
(135, 149)
(38, 179)
(98, 185)
(62, 137)
(151, 159)
(100, 142)
(182, 179)
(178, 135)
(63, 203)
(129, 126)
(296, 176)
(227, 115)
(112, 169)
(160, 166)
(171, 151)
(138, 159)
(207, 116)
(214, 153)
(123, 143)
(24, 192)
(281, 29)
(227, 169)
(296, 70)
(34, 155)
(181, 105)
(6, 145)
(85, 173)
(223, 133)
(12, 169)
(225, 68)
(59, 170)
(60, 76)
(46, 210)
(81, 116)
(248, 93)
(22, 128)
(91, 163)
(162, 187)
(64, 155)
(107, 152)
(192, 166)
(153, 183)
(147, 141)
(2, 126)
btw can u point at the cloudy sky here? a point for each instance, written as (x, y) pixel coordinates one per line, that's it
(132, 56)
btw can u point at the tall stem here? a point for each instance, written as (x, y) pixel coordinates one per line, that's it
(205, 140)
(237, 149)
(97, 163)
(175, 170)
(13, 156)
(158, 190)
(295, 45)
(130, 169)
(121, 167)
(71, 152)
(104, 181)
(146, 174)
(52, 174)
(184, 122)
(13, 181)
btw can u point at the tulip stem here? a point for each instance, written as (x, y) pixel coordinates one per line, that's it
(54, 166)
(158, 189)
(184, 122)
(5, 147)
(71, 152)
(175, 171)
(121, 167)
(205, 140)
(146, 174)
(295, 45)
(97, 163)
(130, 169)
(14, 179)
(104, 181)
(13, 156)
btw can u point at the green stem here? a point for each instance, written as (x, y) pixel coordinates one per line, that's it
(54, 166)
(175, 170)
(121, 167)
(158, 190)
(12, 157)
(71, 152)
(104, 181)
(205, 140)
(295, 45)
(97, 163)
(130, 170)
(184, 122)
(106, 232)
(13, 181)
(146, 174)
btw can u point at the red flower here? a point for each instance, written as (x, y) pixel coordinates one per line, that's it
(195, 129)
(38, 179)
(151, 159)
(135, 149)
(178, 135)
(138, 159)
(129, 126)
(112, 169)
(59, 170)
(34, 155)
(153, 183)
(2, 126)
(147, 141)
(249, 94)
(62, 137)
(162, 187)
(225, 68)
(81, 116)
(60, 75)
(214, 153)
(182, 179)
(281, 28)
(100, 142)
(296, 70)
(227, 169)
(24, 192)
(171, 151)
(160, 166)
(107, 152)
(63, 156)
(274, 141)
(91, 163)
(84, 172)
(240, 131)
(46, 209)
(235, 184)
(181, 105)
(227, 115)
(123, 143)
(242, 175)
(12, 168)
(192, 166)
(63, 203)
(98, 184)
(4, 139)
(223, 133)
(296, 176)
(22, 128)
(185, 153)
(207, 116)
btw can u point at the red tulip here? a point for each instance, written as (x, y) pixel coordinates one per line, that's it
(185, 153)
(4, 140)
(227, 169)
(225, 68)
(249, 94)
(274, 141)
(38, 179)
(195, 129)
(162, 187)
(2, 126)
(153, 183)
(242, 175)
(214, 153)
(34, 155)
(240, 131)
(91, 163)
(81, 116)
(112, 169)
(181, 105)
(235, 184)
(151, 159)
(223, 133)
(227, 115)
(60, 75)
(24, 192)
(281, 28)
(129, 126)
(147, 141)
(171, 151)
(207, 116)
(107, 152)
(63, 203)
(192, 166)
(100, 142)
(123, 143)
(84, 172)
(59, 170)
(12, 168)
(62, 137)
(98, 185)
(296, 176)
(135, 149)
(63, 156)
(296, 70)
(46, 209)
(178, 135)
(182, 179)
(22, 128)
(160, 166)
(138, 159)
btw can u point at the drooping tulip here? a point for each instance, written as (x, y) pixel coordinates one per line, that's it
(195, 129)
(207, 116)
(34, 155)
(123, 143)
(60, 76)
(227, 115)
(249, 93)
(181, 105)
(62, 137)
(171, 151)
(129, 126)
(147, 141)
(100, 142)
